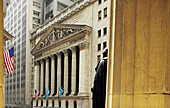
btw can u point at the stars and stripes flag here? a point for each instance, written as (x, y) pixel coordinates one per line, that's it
(9, 60)
(36, 94)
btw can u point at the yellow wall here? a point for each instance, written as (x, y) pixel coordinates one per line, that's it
(1, 56)
(139, 54)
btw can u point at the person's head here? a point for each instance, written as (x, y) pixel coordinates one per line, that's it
(105, 52)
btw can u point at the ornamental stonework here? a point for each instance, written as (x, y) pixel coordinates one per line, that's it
(57, 34)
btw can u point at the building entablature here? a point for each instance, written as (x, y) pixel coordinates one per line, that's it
(60, 38)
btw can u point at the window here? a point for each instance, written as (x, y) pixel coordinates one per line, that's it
(98, 58)
(105, 12)
(49, 14)
(99, 1)
(99, 47)
(11, 21)
(36, 13)
(34, 26)
(19, 27)
(48, 2)
(105, 31)
(15, 11)
(15, 4)
(23, 2)
(19, 21)
(99, 15)
(36, 4)
(24, 9)
(99, 33)
(60, 6)
(18, 1)
(19, 14)
(104, 45)
(36, 20)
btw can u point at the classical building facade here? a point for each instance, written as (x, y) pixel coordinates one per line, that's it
(61, 58)
(66, 50)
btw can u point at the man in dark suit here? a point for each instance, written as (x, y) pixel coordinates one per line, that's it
(99, 87)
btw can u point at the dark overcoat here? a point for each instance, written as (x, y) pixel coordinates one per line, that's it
(99, 88)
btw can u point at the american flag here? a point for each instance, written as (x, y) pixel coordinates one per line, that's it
(36, 94)
(9, 60)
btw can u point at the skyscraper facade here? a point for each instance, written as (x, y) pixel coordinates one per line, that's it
(22, 17)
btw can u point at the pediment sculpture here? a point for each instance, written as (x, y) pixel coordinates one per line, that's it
(57, 34)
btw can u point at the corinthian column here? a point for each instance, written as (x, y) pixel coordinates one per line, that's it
(42, 77)
(65, 72)
(73, 75)
(58, 71)
(36, 76)
(47, 74)
(83, 75)
(52, 74)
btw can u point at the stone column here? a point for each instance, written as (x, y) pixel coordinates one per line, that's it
(47, 74)
(52, 74)
(83, 73)
(50, 103)
(56, 103)
(63, 103)
(70, 103)
(58, 71)
(39, 102)
(80, 104)
(34, 103)
(65, 72)
(36, 76)
(42, 77)
(44, 103)
(73, 73)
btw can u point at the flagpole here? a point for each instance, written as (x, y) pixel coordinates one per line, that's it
(1, 56)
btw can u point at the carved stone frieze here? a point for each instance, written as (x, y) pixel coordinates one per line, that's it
(77, 39)
(57, 34)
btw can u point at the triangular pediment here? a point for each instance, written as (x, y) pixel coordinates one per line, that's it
(57, 32)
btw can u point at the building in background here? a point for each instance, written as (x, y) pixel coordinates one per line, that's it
(54, 7)
(22, 17)
(66, 50)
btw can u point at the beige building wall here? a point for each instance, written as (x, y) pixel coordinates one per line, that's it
(138, 75)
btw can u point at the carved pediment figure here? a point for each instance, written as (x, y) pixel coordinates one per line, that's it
(57, 32)
(41, 45)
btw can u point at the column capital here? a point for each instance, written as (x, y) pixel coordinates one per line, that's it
(73, 49)
(52, 56)
(83, 45)
(58, 54)
(40, 60)
(65, 52)
(36, 62)
(46, 58)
